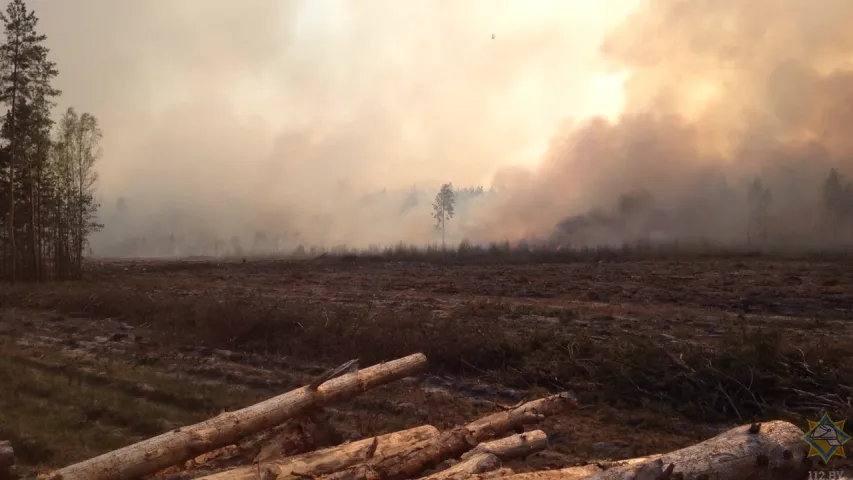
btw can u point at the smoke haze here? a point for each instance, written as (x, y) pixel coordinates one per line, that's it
(718, 92)
(226, 118)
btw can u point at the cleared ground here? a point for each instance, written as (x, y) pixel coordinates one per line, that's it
(662, 353)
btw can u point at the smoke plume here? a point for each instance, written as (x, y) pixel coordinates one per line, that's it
(718, 93)
(330, 122)
(226, 119)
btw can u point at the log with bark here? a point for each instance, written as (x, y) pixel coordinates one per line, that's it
(409, 460)
(515, 446)
(487, 456)
(328, 460)
(772, 450)
(182, 444)
(296, 436)
(570, 473)
(473, 465)
(769, 450)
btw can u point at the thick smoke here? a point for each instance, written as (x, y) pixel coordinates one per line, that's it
(231, 118)
(719, 92)
(327, 122)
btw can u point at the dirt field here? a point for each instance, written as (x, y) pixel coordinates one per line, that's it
(661, 353)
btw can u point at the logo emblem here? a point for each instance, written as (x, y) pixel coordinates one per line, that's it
(826, 438)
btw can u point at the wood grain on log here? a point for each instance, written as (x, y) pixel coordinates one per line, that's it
(410, 460)
(473, 465)
(328, 460)
(180, 445)
(515, 446)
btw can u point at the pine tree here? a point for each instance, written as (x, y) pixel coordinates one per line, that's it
(833, 201)
(443, 208)
(25, 89)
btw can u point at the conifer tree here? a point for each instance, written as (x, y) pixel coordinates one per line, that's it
(26, 91)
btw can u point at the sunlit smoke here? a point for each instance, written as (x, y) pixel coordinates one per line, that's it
(718, 93)
(276, 116)
(279, 123)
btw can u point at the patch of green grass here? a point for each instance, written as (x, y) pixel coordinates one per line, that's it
(54, 418)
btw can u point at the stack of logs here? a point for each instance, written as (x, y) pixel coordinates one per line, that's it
(255, 443)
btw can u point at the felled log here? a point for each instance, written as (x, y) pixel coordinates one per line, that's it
(180, 445)
(570, 473)
(748, 451)
(7, 460)
(409, 460)
(473, 465)
(515, 446)
(328, 460)
(771, 450)
(296, 436)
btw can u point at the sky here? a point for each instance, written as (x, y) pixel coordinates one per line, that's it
(285, 66)
(226, 118)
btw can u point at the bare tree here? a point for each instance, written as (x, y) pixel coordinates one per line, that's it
(442, 209)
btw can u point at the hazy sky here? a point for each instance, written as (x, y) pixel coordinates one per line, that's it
(278, 114)
(385, 93)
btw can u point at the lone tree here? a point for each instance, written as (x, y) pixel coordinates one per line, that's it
(759, 203)
(837, 202)
(442, 208)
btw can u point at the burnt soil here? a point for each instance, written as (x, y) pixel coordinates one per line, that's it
(661, 353)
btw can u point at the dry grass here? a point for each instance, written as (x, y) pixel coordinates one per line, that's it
(55, 413)
(526, 253)
(714, 339)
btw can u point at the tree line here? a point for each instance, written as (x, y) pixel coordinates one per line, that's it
(47, 167)
(836, 208)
